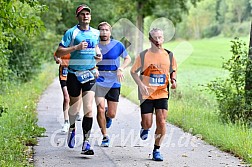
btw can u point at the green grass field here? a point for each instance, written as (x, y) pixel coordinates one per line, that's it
(191, 107)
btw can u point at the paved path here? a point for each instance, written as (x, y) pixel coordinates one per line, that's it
(179, 149)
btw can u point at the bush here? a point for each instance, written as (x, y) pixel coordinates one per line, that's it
(236, 29)
(22, 63)
(211, 31)
(230, 92)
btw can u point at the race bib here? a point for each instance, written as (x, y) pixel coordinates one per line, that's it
(64, 71)
(84, 76)
(157, 79)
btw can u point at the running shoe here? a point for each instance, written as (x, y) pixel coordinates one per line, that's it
(86, 149)
(78, 117)
(105, 142)
(65, 127)
(157, 156)
(71, 138)
(108, 120)
(144, 133)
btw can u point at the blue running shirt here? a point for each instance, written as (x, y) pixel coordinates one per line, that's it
(110, 63)
(81, 59)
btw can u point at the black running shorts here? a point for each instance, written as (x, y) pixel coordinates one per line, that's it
(74, 87)
(148, 106)
(111, 94)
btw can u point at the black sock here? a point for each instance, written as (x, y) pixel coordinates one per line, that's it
(156, 147)
(66, 121)
(86, 127)
(105, 138)
(72, 126)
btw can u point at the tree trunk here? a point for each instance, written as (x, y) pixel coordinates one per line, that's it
(139, 24)
(248, 81)
(250, 43)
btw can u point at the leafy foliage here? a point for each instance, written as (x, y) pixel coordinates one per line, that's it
(19, 22)
(230, 92)
(210, 18)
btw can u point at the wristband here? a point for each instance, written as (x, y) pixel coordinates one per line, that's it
(121, 69)
(174, 79)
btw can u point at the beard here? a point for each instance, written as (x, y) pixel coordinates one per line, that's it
(104, 38)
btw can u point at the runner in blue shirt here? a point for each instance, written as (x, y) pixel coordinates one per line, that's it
(82, 42)
(110, 76)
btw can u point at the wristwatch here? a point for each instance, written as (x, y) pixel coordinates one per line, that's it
(121, 69)
(172, 80)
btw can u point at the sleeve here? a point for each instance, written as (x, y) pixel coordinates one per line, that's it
(66, 39)
(65, 59)
(98, 37)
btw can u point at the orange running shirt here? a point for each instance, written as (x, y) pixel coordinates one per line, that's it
(64, 64)
(156, 73)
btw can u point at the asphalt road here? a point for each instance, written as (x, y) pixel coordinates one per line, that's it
(179, 149)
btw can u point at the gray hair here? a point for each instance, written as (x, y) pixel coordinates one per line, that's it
(154, 30)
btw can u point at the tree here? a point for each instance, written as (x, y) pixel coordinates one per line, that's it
(237, 11)
(19, 21)
(172, 9)
(248, 79)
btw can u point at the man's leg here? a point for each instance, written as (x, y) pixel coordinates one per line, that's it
(75, 104)
(87, 121)
(73, 110)
(147, 117)
(75, 94)
(146, 121)
(112, 108)
(87, 99)
(100, 102)
(101, 118)
(161, 115)
(112, 98)
(66, 101)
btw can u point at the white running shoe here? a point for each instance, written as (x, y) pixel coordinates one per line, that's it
(65, 127)
(78, 117)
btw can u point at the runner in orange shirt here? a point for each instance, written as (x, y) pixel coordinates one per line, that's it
(63, 70)
(63, 61)
(153, 87)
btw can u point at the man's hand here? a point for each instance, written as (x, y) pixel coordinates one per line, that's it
(174, 83)
(98, 57)
(120, 75)
(96, 73)
(81, 46)
(57, 60)
(144, 89)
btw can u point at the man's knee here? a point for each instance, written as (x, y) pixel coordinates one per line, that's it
(66, 99)
(161, 124)
(146, 124)
(111, 115)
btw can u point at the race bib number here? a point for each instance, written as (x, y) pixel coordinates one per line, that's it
(84, 76)
(157, 79)
(64, 71)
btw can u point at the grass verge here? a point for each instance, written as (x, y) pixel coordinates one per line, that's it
(18, 122)
(197, 113)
